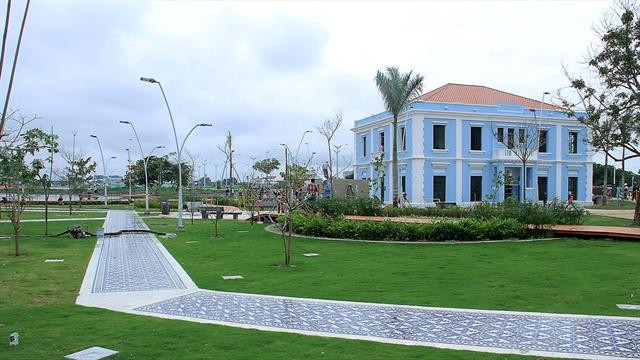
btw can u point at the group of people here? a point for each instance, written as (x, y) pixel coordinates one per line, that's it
(624, 193)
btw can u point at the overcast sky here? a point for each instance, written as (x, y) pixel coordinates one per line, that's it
(268, 71)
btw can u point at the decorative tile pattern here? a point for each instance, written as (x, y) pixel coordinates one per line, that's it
(118, 220)
(590, 336)
(132, 261)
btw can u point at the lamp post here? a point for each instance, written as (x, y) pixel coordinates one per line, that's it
(145, 161)
(178, 147)
(204, 172)
(300, 143)
(104, 170)
(337, 149)
(129, 172)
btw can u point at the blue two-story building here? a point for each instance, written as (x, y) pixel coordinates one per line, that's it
(465, 143)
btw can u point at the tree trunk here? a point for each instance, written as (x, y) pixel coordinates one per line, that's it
(636, 214)
(17, 239)
(394, 163)
(523, 181)
(606, 170)
(330, 169)
(46, 213)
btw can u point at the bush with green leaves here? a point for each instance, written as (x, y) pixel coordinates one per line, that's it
(535, 214)
(443, 230)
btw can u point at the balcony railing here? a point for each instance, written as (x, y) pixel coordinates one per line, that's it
(510, 155)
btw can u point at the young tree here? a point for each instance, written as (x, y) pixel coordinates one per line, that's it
(267, 166)
(609, 93)
(397, 90)
(294, 176)
(523, 143)
(43, 178)
(328, 129)
(78, 173)
(17, 176)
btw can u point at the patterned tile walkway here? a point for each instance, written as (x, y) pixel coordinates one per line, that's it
(133, 262)
(488, 330)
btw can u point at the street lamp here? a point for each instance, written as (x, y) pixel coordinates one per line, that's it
(178, 147)
(145, 161)
(104, 170)
(300, 144)
(337, 149)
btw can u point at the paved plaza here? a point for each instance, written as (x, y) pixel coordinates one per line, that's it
(134, 273)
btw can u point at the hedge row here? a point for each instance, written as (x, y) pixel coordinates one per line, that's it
(463, 230)
(535, 214)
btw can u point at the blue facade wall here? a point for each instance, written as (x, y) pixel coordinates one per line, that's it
(420, 161)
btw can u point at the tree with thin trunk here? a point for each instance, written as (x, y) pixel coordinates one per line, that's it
(397, 90)
(17, 176)
(78, 173)
(608, 95)
(523, 143)
(293, 177)
(40, 171)
(328, 129)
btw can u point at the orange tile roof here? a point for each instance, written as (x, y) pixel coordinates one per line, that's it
(479, 95)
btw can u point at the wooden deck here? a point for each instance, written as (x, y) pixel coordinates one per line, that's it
(616, 232)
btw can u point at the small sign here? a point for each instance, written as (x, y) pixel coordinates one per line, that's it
(53, 260)
(232, 277)
(92, 353)
(310, 254)
(629, 306)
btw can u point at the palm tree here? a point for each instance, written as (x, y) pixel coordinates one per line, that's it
(397, 91)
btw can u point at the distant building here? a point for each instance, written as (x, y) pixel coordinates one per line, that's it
(448, 149)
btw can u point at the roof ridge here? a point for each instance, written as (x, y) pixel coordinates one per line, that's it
(433, 93)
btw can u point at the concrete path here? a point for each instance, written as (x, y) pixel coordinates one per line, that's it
(134, 273)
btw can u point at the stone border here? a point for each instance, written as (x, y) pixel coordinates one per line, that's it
(271, 228)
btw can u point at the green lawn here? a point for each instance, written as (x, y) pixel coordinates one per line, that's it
(615, 205)
(36, 298)
(600, 220)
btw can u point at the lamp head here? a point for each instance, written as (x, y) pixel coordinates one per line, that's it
(205, 124)
(160, 147)
(113, 157)
(546, 93)
(149, 80)
(125, 122)
(93, 136)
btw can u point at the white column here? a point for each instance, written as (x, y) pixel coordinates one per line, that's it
(589, 183)
(458, 141)
(559, 161)
(417, 165)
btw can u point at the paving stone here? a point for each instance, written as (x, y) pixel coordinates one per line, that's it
(132, 261)
(629, 306)
(310, 254)
(494, 331)
(232, 277)
(92, 353)
(53, 260)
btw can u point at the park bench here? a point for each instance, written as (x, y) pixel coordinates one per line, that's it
(206, 210)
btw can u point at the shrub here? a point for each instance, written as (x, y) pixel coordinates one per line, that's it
(463, 230)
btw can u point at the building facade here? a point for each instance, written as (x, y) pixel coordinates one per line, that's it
(465, 143)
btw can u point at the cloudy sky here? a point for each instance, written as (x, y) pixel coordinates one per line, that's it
(268, 71)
